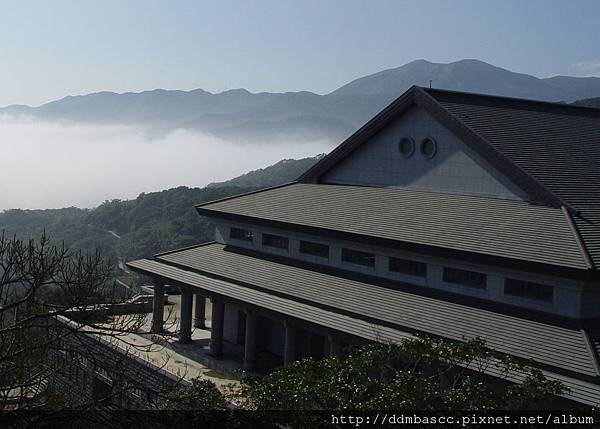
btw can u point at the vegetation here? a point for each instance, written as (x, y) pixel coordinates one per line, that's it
(40, 283)
(425, 374)
(123, 229)
(286, 170)
(153, 222)
(202, 394)
(589, 102)
(419, 374)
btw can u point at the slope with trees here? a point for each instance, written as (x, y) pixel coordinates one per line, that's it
(151, 223)
(589, 102)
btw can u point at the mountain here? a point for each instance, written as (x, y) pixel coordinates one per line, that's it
(589, 102)
(576, 87)
(153, 222)
(464, 75)
(241, 116)
(286, 170)
(473, 76)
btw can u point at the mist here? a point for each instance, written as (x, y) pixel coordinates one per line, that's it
(60, 164)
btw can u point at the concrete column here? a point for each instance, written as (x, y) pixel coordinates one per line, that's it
(158, 308)
(334, 345)
(216, 330)
(199, 311)
(289, 351)
(185, 316)
(250, 342)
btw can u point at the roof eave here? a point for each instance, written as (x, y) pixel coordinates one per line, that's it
(539, 267)
(198, 206)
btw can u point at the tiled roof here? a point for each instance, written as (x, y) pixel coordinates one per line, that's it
(550, 150)
(554, 345)
(500, 228)
(557, 145)
(370, 311)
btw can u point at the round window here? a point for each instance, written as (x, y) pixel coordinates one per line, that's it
(407, 147)
(428, 147)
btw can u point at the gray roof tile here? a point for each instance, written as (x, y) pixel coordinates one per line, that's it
(283, 285)
(546, 343)
(550, 150)
(503, 228)
(559, 147)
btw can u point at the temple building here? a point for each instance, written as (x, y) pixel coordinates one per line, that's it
(449, 214)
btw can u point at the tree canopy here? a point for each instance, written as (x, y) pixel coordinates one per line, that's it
(419, 374)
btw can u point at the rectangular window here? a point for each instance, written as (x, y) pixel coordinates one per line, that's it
(314, 249)
(240, 234)
(275, 241)
(136, 392)
(528, 290)
(464, 277)
(357, 257)
(103, 375)
(406, 266)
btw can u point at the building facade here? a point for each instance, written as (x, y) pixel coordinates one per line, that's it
(448, 214)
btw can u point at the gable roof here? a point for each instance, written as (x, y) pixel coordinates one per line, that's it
(550, 150)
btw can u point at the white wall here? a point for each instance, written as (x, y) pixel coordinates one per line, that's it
(567, 294)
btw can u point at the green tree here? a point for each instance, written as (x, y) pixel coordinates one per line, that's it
(419, 374)
(202, 394)
(41, 283)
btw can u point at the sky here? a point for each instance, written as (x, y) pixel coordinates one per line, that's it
(50, 49)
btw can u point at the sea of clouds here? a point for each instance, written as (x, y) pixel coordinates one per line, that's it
(58, 164)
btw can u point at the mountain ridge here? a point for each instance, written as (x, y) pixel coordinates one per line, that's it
(242, 116)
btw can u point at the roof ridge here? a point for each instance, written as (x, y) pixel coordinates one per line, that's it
(580, 243)
(256, 191)
(595, 358)
(521, 103)
(408, 189)
(193, 246)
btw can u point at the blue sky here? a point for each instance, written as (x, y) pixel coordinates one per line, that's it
(50, 49)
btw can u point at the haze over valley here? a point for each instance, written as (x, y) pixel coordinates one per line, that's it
(82, 150)
(61, 164)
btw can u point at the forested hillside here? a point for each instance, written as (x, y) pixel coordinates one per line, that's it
(151, 223)
(589, 102)
(286, 170)
(124, 230)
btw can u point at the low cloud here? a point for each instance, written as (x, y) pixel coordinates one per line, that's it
(587, 68)
(55, 164)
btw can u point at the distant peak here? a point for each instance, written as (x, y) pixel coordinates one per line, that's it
(236, 91)
(419, 61)
(471, 61)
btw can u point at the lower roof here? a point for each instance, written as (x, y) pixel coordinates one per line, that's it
(376, 313)
(501, 229)
(565, 348)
